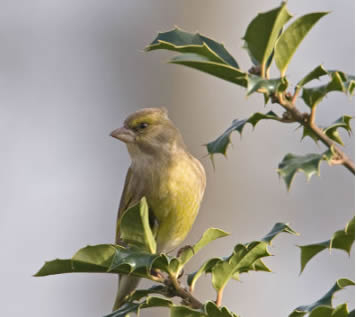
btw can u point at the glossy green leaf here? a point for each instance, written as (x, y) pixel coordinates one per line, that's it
(221, 143)
(263, 31)
(265, 86)
(277, 229)
(89, 259)
(309, 164)
(212, 310)
(185, 42)
(205, 268)
(332, 130)
(135, 228)
(340, 311)
(132, 307)
(223, 71)
(341, 240)
(107, 258)
(316, 73)
(209, 235)
(291, 38)
(325, 301)
(339, 81)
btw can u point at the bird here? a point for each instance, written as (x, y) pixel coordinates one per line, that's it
(162, 170)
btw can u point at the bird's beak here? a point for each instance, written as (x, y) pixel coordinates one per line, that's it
(123, 134)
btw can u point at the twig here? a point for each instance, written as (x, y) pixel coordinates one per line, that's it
(309, 122)
(183, 293)
(219, 297)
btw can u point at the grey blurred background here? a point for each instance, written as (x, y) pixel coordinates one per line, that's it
(71, 71)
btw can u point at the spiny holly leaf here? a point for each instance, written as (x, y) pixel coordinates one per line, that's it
(332, 132)
(185, 42)
(107, 258)
(316, 73)
(89, 259)
(223, 71)
(309, 164)
(209, 235)
(133, 307)
(262, 33)
(341, 240)
(265, 86)
(212, 310)
(325, 301)
(135, 227)
(245, 258)
(221, 143)
(204, 269)
(290, 39)
(339, 82)
(277, 229)
(208, 310)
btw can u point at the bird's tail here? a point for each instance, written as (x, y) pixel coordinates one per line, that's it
(127, 284)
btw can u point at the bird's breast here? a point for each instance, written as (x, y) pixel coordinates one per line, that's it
(176, 190)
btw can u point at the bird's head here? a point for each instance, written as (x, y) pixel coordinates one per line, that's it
(147, 131)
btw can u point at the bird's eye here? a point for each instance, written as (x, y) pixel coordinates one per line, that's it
(143, 125)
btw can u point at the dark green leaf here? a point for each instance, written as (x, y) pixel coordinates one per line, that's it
(221, 143)
(185, 42)
(212, 310)
(332, 132)
(205, 268)
(135, 228)
(219, 70)
(277, 229)
(339, 82)
(316, 73)
(266, 86)
(243, 258)
(209, 235)
(290, 39)
(341, 240)
(325, 301)
(131, 307)
(263, 31)
(309, 164)
(95, 259)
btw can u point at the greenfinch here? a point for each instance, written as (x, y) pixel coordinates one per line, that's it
(163, 171)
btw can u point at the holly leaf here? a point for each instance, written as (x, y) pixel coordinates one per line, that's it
(332, 130)
(316, 73)
(209, 309)
(325, 301)
(222, 71)
(265, 86)
(245, 258)
(184, 42)
(309, 164)
(209, 235)
(134, 307)
(339, 82)
(341, 240)
(262, 33)
(220, 144)
(278, 228)
(135, 228)
(291, 38)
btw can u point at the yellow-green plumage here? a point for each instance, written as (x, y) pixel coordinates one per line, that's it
(162, 170)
